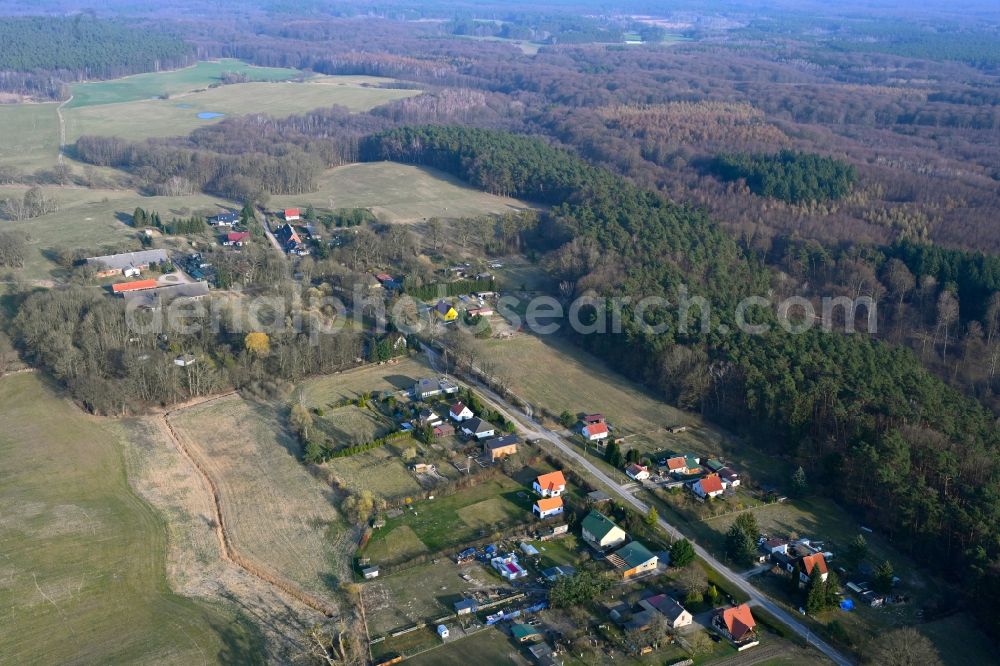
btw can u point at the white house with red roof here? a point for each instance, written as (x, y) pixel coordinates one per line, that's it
(708, 486)
(593, 432)
(736, 624)
(460, 412)
(637, 472)
(550, 485)
(292, 214)
(810, 562)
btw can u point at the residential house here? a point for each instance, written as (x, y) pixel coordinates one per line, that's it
(524, 633)
(633, 560)
(460, 412)
(677, 465)
(500, 447)
(810, 562)
(736, 624)
(709, 486)
(677, 616)
(237, 238)
(550, 485)
(601, 532)
(593, 432)
(428, 388)
(548, 506)
(429, 417)
(135, 285)
(714, 464)
(478, 428)
(466, 606)
(543, 655)
(637, 472)
(730, 478)
(445, 311)
(290, 240)
(228, 219)
(128, 263)
(292, 214)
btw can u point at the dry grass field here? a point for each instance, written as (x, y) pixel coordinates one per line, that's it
(421, 593)
(277, 513)
(352, 425)
(328, 389)
(399, 193)
(82, 565)
(380, 471)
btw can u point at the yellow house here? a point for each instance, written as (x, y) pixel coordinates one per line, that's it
(445, 311)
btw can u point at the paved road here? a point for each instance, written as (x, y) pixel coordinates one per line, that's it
(533, 430)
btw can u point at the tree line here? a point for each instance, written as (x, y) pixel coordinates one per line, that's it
(790, 176)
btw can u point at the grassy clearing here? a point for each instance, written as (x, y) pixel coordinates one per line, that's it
(327, 390)
(30, 136)
(82, 576)
(421, 593)
(379, 471)
(179, 114)
(398, 543)
(278, 514)
(145, 86)
(959, 641)
(92, 218)
(399, 193)
(351, 425)
(490, 646)
(441, 523)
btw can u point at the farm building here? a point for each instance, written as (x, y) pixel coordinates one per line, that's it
(501, 447)
(550, 485)
(601, 532)
(128, 263)
(548, 506)
(135, 285)
(633, 560)
(160, 296)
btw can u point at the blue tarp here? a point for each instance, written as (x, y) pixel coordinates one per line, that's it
(847, 604)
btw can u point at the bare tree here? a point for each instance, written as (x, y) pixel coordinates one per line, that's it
(903, 647)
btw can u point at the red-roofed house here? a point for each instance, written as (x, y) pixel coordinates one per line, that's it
(708, 486)
(550, 485)
(595, 431)
(736, 624)
(637, 472)
(810, 562)
(236, 238)
(677, 464)
(135, 285)
(548, 506)
(459, 412)
(292, 214)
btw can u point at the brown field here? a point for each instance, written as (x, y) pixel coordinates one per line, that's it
(278, 515)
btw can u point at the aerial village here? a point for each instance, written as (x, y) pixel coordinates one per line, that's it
(550, 551)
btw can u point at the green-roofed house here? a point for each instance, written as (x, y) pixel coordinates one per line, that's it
(601, 532)
(524, 633)
(633, 560)
(714, 464)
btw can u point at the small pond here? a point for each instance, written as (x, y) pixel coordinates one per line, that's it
(209, 115)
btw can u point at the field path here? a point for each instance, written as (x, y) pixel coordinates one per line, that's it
(62, 128)
(226, 549)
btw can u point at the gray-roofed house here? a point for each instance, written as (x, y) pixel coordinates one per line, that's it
(127, 263)
(501, 447)
(676, 614)
(478, 428)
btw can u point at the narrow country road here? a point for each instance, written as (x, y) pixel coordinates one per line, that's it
(534, 430)
(62, 128)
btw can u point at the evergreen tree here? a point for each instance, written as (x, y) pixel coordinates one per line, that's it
(857, 551)
(799, 484)
(816, 596)
(882, 583)
(681, 553)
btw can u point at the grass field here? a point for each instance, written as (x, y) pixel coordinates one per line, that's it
(399, 193)
(152, 84)
(82, 574)
(397, 544)
(179, 114)
(29, 136)
(89, 219)
(328, 389)
(446, 522)
(490, 646)
(380, 471)
(352, 425)
(277, 513)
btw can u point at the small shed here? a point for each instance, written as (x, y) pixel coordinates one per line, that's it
(528, 549)
(442, 631)
(370, 572)
(466, 606)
